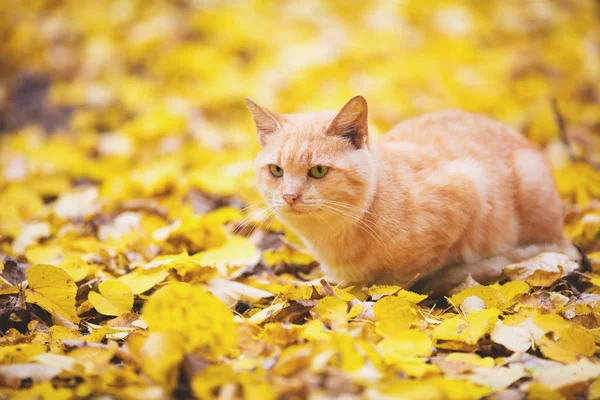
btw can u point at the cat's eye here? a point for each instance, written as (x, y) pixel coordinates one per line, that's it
(318, 171)
(276, 170)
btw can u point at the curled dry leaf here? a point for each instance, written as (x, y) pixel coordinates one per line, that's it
(471, 304)
(230, 292)
(30, 234)
(77, 204)
(12, 375)
(498, 378)
(517, 338)
(542, 270)
(561, 376)
(460, 364)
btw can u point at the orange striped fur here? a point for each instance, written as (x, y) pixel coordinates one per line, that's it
(445, 189)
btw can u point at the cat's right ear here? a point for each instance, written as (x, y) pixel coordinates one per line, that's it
(267, 122)
(351, 122)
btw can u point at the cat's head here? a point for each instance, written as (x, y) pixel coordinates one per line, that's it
(314, 164)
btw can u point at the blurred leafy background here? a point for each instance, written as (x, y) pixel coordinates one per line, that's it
(125, 118)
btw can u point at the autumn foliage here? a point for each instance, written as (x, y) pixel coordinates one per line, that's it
(138, 261)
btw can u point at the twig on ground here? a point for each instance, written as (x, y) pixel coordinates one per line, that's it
(562, 128)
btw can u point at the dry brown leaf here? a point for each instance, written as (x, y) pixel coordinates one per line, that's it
(543, 270)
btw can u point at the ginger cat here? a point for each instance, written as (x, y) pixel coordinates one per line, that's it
(439, 196)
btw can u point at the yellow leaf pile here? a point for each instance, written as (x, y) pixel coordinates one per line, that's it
(138, 261)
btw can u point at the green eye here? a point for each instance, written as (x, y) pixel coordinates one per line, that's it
(318, 171)
(276, 170)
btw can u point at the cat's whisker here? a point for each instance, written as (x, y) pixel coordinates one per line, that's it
(366, 229)
(374, 215)
(353, 207)
(241, 225)
(360, 222)
(347, 211)
(345, 205)
(261, 228)
(263, 233)
(248, 206)
(324, 220)
(248, 220)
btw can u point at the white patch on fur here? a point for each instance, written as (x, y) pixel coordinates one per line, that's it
(476, 172)
(405, 147)
(468, 255)
(528, 163)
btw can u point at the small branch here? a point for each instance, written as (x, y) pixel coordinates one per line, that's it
(408, 284)
(585, 263)
(562, 128)
(327, 289)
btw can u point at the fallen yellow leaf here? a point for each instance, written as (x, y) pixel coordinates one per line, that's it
(206, 381)
(495, 295)
(142, 280)
(467, 329)
(237, 252)
(75, 266)
(378, 291)
(115, 298)
(159, 354)
(204, 322)
(570, 345)
(20, 353)
(7, 288)
(332, 310)
(394, 315)
(52, 289)
(287, 255)
(410, 343)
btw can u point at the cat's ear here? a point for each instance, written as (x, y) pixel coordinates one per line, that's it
(351, 122)
(267, 122)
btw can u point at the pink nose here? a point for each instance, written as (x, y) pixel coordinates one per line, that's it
(291, 198)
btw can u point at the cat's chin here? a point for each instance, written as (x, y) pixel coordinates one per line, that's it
(297, 212)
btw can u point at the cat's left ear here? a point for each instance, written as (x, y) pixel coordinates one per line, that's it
(267, 122)
(351, 122)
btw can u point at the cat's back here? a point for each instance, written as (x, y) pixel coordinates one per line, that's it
(454, 134)
(511, 175)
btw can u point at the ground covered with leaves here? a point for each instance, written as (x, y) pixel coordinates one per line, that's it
(137, 261)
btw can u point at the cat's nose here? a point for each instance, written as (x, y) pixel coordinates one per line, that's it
(291, 199)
